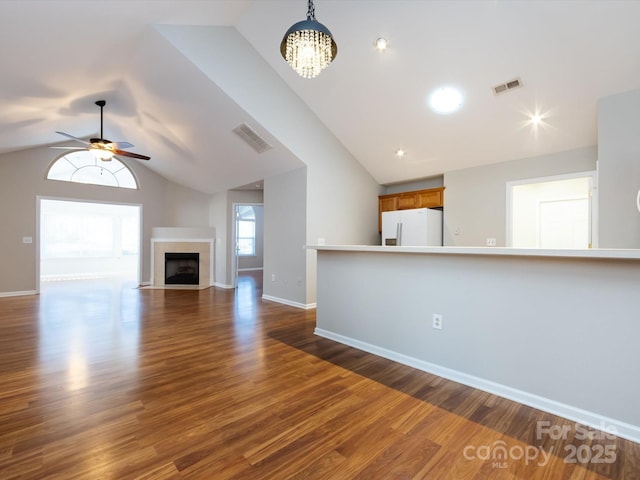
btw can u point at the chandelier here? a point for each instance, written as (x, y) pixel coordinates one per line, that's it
(308, 45)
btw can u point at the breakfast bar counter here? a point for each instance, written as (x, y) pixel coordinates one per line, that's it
(554, 329)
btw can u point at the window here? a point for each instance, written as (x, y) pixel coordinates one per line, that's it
(245, 230)
(72, 229)
(82, 166)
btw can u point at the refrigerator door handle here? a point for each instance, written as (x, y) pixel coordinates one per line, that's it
(399, 233)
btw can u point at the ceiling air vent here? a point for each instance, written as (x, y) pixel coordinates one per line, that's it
(251, 138)
(505, 87)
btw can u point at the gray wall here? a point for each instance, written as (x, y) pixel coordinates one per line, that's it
(285, 220)
(619, 170)
(186, 207)
(539, 333)
(432, 182)
(476, 198)
(341, 196)
(218, 219)
(22, 180)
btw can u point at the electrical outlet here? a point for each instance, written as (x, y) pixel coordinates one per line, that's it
(437, 321)
(491, 242)
(273, 277)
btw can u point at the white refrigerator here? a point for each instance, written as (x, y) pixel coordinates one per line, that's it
(415, 227)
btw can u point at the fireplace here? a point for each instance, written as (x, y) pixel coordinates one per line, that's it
(181, 268)
(182, 241)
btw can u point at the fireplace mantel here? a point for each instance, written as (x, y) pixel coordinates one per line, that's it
(200, 241)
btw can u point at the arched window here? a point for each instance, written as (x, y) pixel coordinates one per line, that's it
(245, 230)
(81, 166)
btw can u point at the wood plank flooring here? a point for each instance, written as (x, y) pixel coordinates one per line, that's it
(103, 382)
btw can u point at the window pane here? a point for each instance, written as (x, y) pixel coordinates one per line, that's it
(61, 170)
(246, 229)
(82, 167)
(246, 212)
(246, 246)
(77, 235)
(94, 175)
(130, 235)
(125, 179)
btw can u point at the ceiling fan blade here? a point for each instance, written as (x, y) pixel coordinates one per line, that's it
(124, 153)
(121, 145)
(70, 148)
(73, 138)
(107, 147)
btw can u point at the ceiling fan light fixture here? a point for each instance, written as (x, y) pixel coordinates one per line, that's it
(308, 46)
(103, 149)
(101, 154)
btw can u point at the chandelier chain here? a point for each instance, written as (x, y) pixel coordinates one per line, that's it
(311, 10)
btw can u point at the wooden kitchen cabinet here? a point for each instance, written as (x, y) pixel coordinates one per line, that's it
(429, 198)
(388, 203)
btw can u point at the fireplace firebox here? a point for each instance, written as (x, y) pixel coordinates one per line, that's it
(181, 268)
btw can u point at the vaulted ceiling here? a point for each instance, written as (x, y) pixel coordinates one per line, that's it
(178, 99)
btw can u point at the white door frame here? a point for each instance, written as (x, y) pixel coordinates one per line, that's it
(592, 175)
(37, 242)
(234, 234)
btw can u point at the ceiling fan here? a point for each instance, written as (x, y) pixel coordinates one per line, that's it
(101, 148)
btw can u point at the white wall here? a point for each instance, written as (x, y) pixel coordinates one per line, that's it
(475, 198)
(619, 170)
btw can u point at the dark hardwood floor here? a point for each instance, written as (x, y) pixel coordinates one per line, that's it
(103, 382)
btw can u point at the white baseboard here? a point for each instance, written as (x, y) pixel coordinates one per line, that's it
(304, 306)
(222, 285)
(18, 294)
(584, 417)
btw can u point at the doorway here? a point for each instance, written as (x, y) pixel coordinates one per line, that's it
(553, 212)
(248, 227)
(88, 240)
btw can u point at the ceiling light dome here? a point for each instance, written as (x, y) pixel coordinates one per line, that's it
(381, 44)
(308, 46)
(445, 100)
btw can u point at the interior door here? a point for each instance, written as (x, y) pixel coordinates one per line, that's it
(553, 212)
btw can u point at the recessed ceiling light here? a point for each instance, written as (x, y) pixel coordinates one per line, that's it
(445, 100)
(381, 44)
(400, 153)
(536, 119)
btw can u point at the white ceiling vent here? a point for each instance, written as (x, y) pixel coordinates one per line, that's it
(505, 87)
(251, 138)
